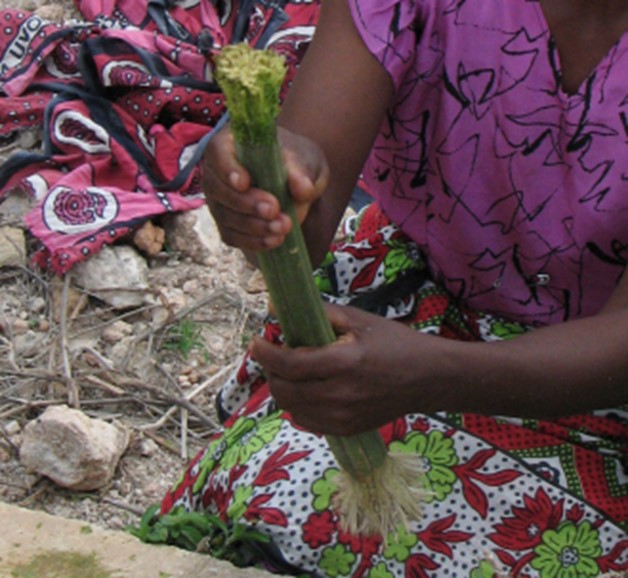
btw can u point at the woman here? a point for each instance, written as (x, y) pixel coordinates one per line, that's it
(494, 137)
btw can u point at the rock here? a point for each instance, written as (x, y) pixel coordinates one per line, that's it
(29, 138)
(37, 305)
(12, 428)
(118, 275)
(171, 300)
(256, 283)
(195, 234)
(121, 351)
(20, 326)
(191, 287)
(28, 344)
(72, 449)
(15, 206)
(149, 239)
(5, 456)
(52, 12)
(148, 448)
(117, 331)
(12, 247)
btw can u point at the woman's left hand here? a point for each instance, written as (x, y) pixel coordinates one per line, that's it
(363, 380)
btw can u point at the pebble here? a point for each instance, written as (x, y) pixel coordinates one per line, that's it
(12, 428)
(183, 381)
(191, 287)
(37, 305)
(5, 456)
(117, 331)
(20, 326)
(148, 448)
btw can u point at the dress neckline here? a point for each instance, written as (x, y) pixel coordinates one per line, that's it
(556, 64)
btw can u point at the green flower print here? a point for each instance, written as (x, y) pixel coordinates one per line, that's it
(438, 456)
(397, 260)
(337, 561)
(484, 570)
(321, 275)
(247, 437)
(240, 498)
(205, 465)
(237, 444)
(568, 552)
(399, 545)
(379, 571)
(324, 489)
(505, 330)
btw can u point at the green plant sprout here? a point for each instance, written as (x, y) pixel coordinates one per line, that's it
(197, 532)
(185, 337)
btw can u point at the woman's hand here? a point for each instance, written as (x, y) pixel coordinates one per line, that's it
(379, 370)
(250, 218)
(364, 380)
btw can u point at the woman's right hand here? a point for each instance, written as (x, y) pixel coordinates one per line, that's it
(249, 218)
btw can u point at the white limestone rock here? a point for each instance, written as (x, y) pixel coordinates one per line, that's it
(73, 450)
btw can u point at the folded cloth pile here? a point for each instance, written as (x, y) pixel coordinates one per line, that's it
(127, 101)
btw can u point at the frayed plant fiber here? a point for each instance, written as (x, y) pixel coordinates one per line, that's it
(389, 498)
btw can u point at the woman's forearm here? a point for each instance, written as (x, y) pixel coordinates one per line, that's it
(338, 100)
(564, 369)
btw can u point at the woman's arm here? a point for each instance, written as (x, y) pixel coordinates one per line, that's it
(380, 369)
(338, 100)
(558, 370)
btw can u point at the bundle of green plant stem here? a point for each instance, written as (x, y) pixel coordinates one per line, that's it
(377, 491)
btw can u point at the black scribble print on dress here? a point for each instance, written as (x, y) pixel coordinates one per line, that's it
(498, 174)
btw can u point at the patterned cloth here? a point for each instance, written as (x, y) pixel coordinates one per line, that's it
(534, 499)
(126, 102)
(514, 190)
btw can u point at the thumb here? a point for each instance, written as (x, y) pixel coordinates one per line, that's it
(306, 184)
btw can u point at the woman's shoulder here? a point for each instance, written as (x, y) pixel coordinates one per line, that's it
(396, 31)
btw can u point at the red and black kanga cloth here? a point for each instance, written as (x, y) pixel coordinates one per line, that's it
(126, 101)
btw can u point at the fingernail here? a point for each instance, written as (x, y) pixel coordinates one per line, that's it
(263, 209)
(234, 179)
(275, 227)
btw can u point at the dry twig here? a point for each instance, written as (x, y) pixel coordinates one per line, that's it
(73, 394)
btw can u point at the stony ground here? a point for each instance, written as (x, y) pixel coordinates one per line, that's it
(124, 366)
(138, 385)
(142, 365)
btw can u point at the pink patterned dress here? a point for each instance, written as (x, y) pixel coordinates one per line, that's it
(515, 191)
(501, 205)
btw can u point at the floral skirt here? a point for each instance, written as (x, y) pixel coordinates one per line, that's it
(508, 497)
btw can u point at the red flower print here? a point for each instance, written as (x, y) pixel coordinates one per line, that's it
(613, 562)
(319, 529)
(524, 528)
(417, 566)
(271, 516)
(79, 207)
(275, 466)
(219, 498)
(421, 424)
(469, 471)
(367, 546)
(437, 538)
(371, 259)
(394, 431)
(575, 513)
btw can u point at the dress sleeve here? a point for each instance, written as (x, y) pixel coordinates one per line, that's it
(391, 30)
